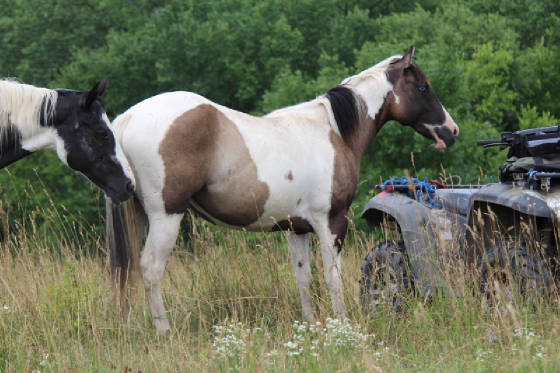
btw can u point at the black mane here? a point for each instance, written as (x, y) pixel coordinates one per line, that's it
(345, 109)
(10, 145)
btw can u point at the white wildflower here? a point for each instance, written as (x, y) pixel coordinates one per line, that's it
(230, 342)
(540, 352)
(524, 333)
(315, 339)
(342, 334)
(483, 355)
(44, 361)
(291, 345)
(272, 353)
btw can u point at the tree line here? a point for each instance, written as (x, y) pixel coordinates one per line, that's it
(493, 64)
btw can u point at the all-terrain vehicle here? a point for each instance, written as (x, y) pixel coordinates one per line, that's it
(507, 231)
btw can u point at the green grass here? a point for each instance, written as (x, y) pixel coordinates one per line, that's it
(233, 305)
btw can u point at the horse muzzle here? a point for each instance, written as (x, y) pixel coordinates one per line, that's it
(446, 133)
(444, 137)
(121, 194)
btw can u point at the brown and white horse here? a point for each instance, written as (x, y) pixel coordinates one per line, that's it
(295, 169)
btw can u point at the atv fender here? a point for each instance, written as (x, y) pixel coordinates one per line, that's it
(510, 204)
(412, 218)
(519, 199)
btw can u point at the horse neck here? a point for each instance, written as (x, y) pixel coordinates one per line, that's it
(372, 93)
(367, 129)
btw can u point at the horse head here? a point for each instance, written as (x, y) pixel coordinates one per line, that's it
(415, 103)
(86, 141)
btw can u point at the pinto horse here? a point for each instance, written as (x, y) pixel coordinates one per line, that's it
(73, 123)
(295, 169)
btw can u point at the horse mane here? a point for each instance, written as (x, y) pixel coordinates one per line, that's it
(365, 93)
(344, 107)
(23, 105)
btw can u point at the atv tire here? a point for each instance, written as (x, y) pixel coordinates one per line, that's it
(512, 266)
(386, 279)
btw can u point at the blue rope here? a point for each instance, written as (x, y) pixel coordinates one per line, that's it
(424, 190)
(531, 173)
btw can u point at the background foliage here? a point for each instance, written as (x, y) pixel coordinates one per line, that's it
(492, 62)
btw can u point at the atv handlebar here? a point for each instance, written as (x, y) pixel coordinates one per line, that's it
(488, 143)
(529, 142)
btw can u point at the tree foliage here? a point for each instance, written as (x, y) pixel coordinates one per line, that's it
(493, 64)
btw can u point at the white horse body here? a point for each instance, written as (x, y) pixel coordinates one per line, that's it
(298, 172)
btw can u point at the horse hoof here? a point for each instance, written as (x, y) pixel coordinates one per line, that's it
(162, 327)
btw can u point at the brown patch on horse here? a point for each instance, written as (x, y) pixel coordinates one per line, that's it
(345, 181)
(289, 175)
(294, 224)
(187, 152)
(206, 159)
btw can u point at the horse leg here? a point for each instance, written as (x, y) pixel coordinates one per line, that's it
(162, 235)
(299, 251)
(331, 244)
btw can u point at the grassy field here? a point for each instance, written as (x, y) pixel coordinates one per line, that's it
(234, 306)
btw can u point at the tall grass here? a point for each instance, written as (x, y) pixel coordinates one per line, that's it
(233, 306)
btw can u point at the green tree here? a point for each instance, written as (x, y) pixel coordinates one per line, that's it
(529, 117)
(488, 78)
(530, 18)
(39, 37)
(537, 71)
(230, 55)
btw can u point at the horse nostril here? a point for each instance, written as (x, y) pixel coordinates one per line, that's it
(129, 186)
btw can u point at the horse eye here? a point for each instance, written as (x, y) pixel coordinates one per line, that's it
(422, 88)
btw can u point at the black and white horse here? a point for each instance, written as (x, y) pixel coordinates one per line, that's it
(295, 169)
(73, 123)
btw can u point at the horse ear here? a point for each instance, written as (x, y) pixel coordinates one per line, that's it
(97, 91)
(407, 58)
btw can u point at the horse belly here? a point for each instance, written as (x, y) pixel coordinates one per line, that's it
(233, 201)
(243, 201)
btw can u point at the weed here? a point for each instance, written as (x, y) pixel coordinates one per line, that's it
(232, 303)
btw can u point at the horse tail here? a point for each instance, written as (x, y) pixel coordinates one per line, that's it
(126, 229)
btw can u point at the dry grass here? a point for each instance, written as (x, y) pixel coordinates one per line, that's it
(57, 314)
